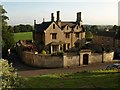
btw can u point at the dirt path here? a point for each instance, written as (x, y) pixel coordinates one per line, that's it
(25, 70)
(63, 70)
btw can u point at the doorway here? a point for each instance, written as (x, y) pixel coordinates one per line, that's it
(85, 59)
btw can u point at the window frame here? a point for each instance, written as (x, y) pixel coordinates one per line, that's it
(54, 35)
(67, 35)
(77, 35)
(53, 26)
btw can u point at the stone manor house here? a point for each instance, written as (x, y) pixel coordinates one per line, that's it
(57, 35)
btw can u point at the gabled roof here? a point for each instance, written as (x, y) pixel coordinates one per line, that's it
(71, 24)
(43, 26)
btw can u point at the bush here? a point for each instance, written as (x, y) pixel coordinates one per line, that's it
(60, 53)
(43, 52)
(10, 78)
(57, 53)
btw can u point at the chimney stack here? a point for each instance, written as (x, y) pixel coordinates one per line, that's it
(58, 15)
(43, 19)
(78, 16)
(34, 22)
(58, 19)
(52, 17)
(79, 21)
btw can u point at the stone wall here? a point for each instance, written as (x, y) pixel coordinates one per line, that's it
(71, 59)
(97, 57)
(44, 61)
(108, 57)
(67, 60)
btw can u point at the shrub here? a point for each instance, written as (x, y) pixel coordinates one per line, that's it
(10, 78)
(43, 52)
(60, 53)
(57, 53)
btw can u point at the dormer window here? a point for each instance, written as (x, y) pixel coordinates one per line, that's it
(53, 26)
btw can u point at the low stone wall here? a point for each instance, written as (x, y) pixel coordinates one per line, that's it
(97, 57)
(43, 61)
(71, 59)
(108, 57)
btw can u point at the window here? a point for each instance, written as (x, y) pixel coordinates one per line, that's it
(77, 35)
(54, 35)
(68, 46)
(67, 35)
(77, 27)
(53, 26)
(67, 27)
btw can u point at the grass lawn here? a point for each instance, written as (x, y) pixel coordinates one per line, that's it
(23, 36)
(94, 79)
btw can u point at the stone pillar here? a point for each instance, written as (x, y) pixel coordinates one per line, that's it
(64, 60)
(51, 48)
(81, 59)
(59, 48)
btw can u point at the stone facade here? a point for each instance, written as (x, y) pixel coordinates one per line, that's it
(58, 35)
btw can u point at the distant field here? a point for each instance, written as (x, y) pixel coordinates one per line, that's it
(22, 36)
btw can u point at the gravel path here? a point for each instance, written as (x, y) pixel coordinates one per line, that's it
(25, 70)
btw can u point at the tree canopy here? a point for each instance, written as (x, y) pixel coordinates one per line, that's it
(7, 37)
(89, 35)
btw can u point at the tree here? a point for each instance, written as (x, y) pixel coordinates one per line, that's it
(89, 35)
(22, 28)
(29, 28)
(94, 29)
(7, 37)
(9, 75)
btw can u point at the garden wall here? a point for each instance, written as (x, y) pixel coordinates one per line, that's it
(71, 59)
(97, 57)
(44, 61)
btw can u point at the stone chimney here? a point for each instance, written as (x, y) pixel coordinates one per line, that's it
(43, 19)
(58, 19)
(52, 17)
(34, 24)
(58, 15)
(79, 21)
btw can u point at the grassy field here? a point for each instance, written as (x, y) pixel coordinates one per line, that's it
(23, 36)
(97, 79)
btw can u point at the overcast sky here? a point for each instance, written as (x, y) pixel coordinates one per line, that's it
(102, 13)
